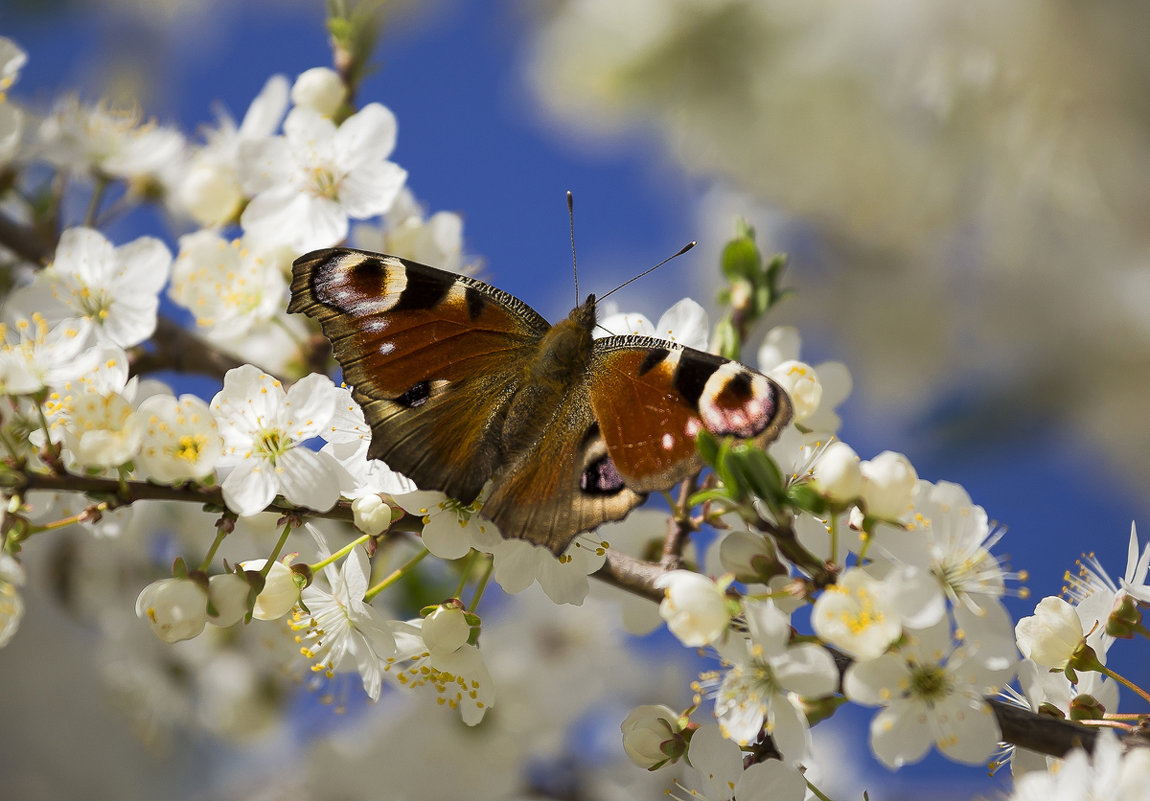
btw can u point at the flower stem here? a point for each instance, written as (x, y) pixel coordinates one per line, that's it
(466, 573)
(1125, 682)
(395, 575)
(342, 552)
(482, 586)
(276, 553)
(817, 793)
(210, 556)
(64, 522)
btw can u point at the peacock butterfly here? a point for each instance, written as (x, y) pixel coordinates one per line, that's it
(462, 384)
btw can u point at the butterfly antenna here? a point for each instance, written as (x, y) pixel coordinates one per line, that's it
(574, 263)
(682, 250)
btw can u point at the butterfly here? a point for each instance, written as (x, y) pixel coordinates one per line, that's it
(464, 384)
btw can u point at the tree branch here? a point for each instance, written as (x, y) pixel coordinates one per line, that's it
(1022, 727)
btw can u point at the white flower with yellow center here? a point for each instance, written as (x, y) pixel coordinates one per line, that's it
(863, 615)
(228, 286)
(115, 289)
(766, 675)
(115, 142)
(932, 693)
(181, 439)
(460, 677)
(34, 355)
(263, 428)
(343, 632)
(308, 182)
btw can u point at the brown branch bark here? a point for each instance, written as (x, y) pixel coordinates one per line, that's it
(24, 241)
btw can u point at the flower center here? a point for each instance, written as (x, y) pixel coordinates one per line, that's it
(324, 182)
(929, 683)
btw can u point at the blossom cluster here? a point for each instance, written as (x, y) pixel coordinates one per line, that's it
(897, 573)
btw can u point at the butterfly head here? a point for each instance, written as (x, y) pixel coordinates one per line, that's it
(584, 316)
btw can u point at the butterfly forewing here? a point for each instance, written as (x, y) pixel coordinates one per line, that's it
(652, 397)
(433, 357)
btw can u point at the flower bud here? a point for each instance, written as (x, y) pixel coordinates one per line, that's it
(650, 735)
(228, 593)
(319, 88)
(694, 606)
(889, 481)
(837, 473)
(446, 629)
(211, 193)
(176, 608)
(750, 557)
(372, 514)
(280, 592)
(1051, 635)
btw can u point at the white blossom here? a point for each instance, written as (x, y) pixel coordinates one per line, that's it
(819, 389)
(517, 564)
(450, 528)
(343, 632)
(889, 482)
(932, 693)
(459, 678)
(767, 674)
(694, 606)
(114, 142)
(115, 290)
(34, 356)
(863, 615)
(281, 590)
(308, 182)
(717, 767)
(1052, 634)
(229, 286)
(950, 537)
(263, 429)
(181, 441)
(1112, 772)
(685, 323)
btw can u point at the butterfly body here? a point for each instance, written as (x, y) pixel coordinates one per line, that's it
(464, 384)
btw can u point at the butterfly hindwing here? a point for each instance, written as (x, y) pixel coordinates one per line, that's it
(651, 397)
(564, 483)
(433, 357)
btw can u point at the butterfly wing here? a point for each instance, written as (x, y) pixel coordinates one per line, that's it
(626, 429)
(651, 397)
(563, 483)
(434, 359)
